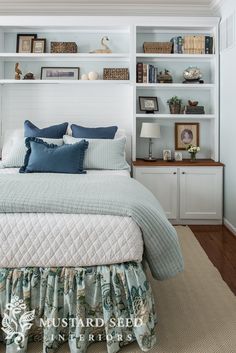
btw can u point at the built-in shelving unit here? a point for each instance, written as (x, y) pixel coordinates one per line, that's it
(206, 93)
(68, 99)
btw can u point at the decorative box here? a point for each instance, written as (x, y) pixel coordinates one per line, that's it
(115, 74)
(64, 47)
(157, 47)
(189, 109)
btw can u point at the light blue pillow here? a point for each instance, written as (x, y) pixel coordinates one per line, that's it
(93, 132)
(53, 132)
(103, 154)
(44, 158)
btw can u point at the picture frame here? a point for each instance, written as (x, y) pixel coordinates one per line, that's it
(178, 156)
(186, 134)
(148, 104)
(60, 73)
(38, 45)
(166, 155)
(24, 42)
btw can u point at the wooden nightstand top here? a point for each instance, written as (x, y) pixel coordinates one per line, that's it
(183, 163)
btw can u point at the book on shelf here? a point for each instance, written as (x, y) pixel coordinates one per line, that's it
(193, 44)
(177, 44)
(146, 73)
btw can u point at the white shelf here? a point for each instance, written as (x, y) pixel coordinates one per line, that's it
(176, 85)
(72, 57)
(176, 116)
(75, 82)
(176, 56)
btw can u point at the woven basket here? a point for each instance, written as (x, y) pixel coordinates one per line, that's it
(157, 47)
(115, 74)
(64, 47)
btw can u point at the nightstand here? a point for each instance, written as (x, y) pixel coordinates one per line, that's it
(189, 192)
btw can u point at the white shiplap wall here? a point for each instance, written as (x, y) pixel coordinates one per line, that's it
(88, 105)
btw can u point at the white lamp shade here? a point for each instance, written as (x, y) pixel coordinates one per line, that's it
(150, 130)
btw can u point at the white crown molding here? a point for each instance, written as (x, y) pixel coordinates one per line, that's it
(72, 8)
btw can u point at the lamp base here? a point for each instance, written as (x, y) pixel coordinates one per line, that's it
(150, 159)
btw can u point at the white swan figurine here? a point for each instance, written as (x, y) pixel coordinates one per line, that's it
(104, 47)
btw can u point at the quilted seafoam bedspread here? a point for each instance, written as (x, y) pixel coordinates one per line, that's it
(89, 194)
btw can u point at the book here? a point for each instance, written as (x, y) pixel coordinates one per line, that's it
(180, 43)
(139, 78)
(174, 41)
(145, 73)
(208, 45)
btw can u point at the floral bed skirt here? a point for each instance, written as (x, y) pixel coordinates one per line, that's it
(78, 305)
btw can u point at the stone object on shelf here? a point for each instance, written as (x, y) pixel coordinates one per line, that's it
(165, 77)
(29, 76)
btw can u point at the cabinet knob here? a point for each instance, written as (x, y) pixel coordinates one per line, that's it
(174, 173)
(183, 173)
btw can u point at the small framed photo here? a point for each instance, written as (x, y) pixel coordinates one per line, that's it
(166, 155)
(148, 104)
(38, 45)
(178, 156)
(60, 73)
(186, 134)
(24, 42)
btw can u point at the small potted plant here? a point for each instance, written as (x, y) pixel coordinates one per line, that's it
(175, 105)
(193, 150)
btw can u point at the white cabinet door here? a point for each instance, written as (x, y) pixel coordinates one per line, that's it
(162, 182)
(201, 193)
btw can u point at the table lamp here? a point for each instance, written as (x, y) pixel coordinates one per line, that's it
(150, 130)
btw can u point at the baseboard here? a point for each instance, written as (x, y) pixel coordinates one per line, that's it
(196, 222)
(230, 226)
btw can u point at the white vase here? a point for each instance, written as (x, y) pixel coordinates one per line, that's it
(93, 75)
(84, 77)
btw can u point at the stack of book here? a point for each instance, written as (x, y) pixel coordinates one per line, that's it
(146, 73)
(178, 43)
(191, 44)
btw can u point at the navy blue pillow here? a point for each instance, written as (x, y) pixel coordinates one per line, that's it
(44, 158)
(51, 132)
(94, 133)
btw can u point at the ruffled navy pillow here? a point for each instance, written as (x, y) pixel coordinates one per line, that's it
(42, 157)
(94, 132)
(52, 132)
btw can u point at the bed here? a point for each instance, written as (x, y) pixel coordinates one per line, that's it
(72, 255)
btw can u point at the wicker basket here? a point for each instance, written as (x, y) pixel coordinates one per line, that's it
(64, 47)
(157, 47)
(115, 74)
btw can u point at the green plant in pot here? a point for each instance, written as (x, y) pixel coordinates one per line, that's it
(175, 105)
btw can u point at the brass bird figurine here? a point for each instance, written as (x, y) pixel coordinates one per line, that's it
(18, 72)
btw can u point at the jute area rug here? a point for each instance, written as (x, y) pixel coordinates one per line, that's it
(196, 310)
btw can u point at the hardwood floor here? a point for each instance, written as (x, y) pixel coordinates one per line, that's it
(220, 245)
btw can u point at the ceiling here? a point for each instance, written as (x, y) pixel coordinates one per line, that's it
(109, 7)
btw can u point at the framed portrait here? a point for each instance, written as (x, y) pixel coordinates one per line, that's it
(186, 134)
(178, 156)
(166, 155)
(24, 42)
(148, 104)
(38, 45)
(60, 73)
